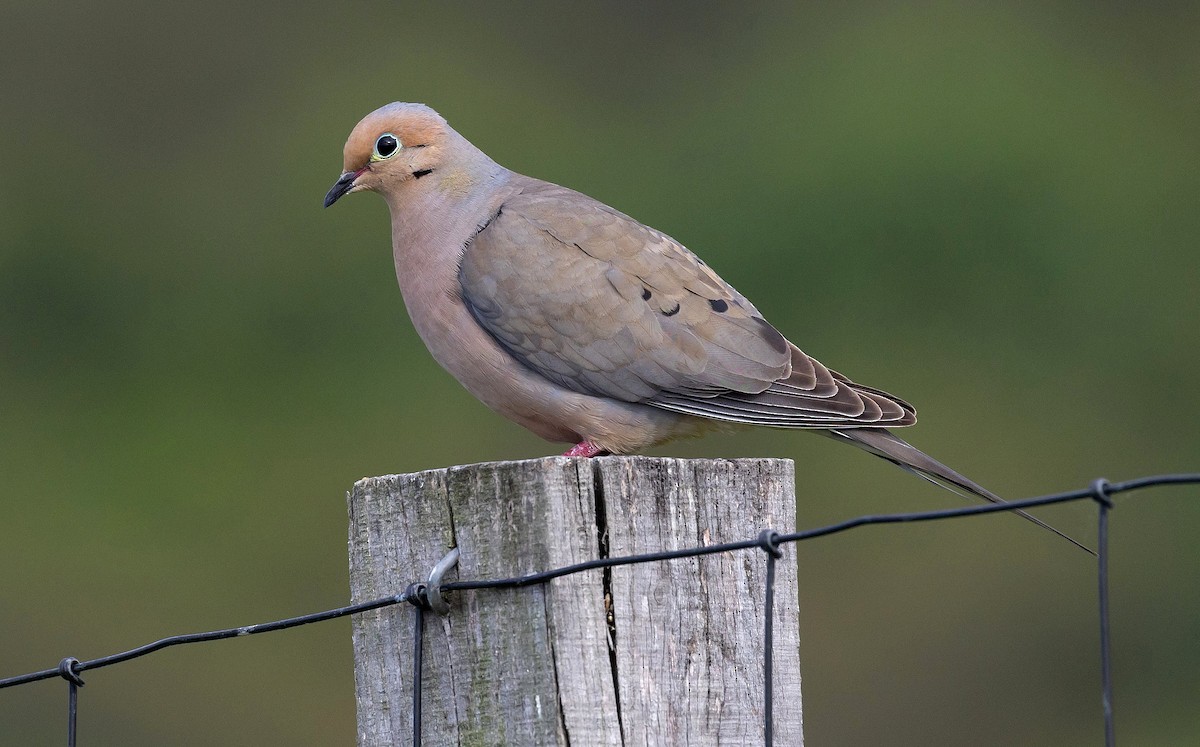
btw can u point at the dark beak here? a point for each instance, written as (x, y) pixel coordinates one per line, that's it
(343, 185)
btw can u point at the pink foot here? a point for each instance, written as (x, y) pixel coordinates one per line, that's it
(585, 449)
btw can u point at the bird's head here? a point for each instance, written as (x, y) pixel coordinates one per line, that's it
(391, 146)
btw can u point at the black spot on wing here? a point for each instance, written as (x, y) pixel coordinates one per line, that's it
(672, 312)
(718, 305)
(646, 294)
(771, 335)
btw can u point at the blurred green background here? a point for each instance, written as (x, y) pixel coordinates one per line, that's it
(993, 212)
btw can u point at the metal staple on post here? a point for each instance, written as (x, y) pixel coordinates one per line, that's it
(434, 588)
(427, 596)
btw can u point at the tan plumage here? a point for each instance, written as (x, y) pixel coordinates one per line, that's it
(581, 324)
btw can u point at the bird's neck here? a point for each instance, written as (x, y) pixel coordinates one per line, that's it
(431, 224)
(434, 219)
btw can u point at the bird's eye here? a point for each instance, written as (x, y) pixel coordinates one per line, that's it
(386, 146)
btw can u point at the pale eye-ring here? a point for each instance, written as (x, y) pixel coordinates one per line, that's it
(386, 146)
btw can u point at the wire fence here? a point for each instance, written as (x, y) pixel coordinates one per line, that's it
(426, 596)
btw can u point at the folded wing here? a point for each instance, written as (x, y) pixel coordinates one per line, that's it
(601, 304)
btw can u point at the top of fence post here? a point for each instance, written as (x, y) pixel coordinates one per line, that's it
(668, 652)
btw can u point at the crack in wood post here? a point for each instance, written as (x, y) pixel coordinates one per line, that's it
(610, 618)
(562, 712)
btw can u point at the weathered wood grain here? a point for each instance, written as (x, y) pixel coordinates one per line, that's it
(534, 665)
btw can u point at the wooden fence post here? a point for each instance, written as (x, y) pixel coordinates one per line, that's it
(668, 652)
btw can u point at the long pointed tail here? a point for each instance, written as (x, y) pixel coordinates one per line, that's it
(885, 444)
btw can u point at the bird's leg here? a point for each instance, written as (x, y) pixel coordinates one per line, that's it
(585, 449)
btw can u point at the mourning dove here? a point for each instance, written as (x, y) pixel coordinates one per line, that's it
(577, 322)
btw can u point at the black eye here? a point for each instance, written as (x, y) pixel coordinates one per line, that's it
(387, 145)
